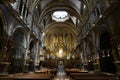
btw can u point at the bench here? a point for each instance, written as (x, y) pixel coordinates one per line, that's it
(26, 76)
(92, 76)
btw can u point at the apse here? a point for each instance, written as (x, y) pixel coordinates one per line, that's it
(60, 40)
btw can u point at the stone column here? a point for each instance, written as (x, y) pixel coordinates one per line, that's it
(22, 9)
(37, 56)
(85, 54)
(25, 16)
(95, 54)
(26, 61)
(26, 54)
(117, 62)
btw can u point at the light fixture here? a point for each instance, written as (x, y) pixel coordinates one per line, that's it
(93, 25)
(21, 17)
(68, 57)
(100, 16)
(60, 52)
(84, 6)
(108, 53)
(48, 56)
(103, 54)
(73, 56)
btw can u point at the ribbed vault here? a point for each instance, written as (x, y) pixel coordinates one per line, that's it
(61, 34)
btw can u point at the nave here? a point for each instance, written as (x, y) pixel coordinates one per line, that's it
(60, 39)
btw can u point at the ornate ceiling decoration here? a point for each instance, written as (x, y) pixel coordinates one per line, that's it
(61, 36)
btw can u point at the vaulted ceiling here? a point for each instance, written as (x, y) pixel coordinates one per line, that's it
(61, 33)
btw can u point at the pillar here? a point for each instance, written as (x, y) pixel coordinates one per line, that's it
(85, 54)
(26, 54)
(95, 54)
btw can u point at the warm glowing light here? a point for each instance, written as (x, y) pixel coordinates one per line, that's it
(43, 34)
(84, 6)
(60, 52)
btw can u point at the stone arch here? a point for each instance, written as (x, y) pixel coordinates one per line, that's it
(18, 50)
(105, 53)
(50, 8)
(22, 35)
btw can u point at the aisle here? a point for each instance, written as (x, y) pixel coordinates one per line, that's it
(61, 75)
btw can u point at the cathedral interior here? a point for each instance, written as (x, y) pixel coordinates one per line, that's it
(60, 39)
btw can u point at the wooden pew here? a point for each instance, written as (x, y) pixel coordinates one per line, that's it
(92, 76)
(26, 76)
(49, 71)
(68, 71)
